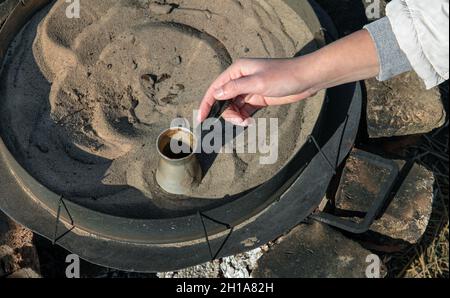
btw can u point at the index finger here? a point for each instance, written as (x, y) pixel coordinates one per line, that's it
(209, 100)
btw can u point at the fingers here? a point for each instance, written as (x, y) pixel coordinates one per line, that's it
(209, 99)
(229, 91)
(207, 103)
(251, 84)
(239, 69)
(234, 88)
(234, 117)
(240, 115)
(206, 106)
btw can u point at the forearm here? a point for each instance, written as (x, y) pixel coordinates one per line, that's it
(375, 51)
(350, 59)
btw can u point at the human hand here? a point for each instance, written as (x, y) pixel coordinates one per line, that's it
(252, 84)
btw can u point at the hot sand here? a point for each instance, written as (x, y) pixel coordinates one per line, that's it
(83, 100)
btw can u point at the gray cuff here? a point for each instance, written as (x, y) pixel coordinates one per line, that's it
(393, 61)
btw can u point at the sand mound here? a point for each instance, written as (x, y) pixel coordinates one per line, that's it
(83, 100)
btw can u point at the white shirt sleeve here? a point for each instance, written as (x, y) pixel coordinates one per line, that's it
(422, 31)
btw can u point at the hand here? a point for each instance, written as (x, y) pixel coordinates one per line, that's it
(252, 84)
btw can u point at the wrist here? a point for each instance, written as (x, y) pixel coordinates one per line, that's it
(307, 73)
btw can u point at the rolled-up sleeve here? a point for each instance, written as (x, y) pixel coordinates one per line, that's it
(393, 61)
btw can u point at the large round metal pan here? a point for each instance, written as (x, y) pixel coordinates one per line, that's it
(164, 245)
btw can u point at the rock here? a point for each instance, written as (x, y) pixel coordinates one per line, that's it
(409, 213)
(314, 251)
(207, 270)
(20, 241)
(25, 273)
(8, 262)
(13, 234)
(402, 106)
(239, 266)
(406, 218)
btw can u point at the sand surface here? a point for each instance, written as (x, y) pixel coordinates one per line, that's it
(83, 100)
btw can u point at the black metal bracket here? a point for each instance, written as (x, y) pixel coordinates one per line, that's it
(229, 228)
(312, 140)
(61, 203)
(377, 207)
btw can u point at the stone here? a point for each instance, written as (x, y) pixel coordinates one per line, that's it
(23, 253)
(314, 250)
(25, 273)
(207, 270)
(238, 266)
(13, 234)
(241, 265)
(407, 216)
(402, 106)
(8, 262)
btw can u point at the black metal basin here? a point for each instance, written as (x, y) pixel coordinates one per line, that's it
(140, 245)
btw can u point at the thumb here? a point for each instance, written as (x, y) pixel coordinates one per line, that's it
(242, 86)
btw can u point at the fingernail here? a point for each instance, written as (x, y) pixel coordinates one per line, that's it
(219, 93)
(199, 118)
(250, 122)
